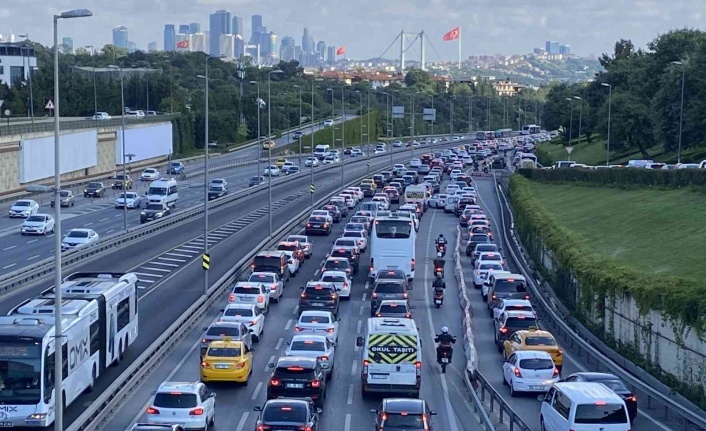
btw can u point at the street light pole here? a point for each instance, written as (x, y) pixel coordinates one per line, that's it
(58, 335)
(30, 70)
(470, 115)
(487, 114)
(259, 135)
(434, 114)
(578, 154)
(300, 124)
(269, 147)
(451, 115)
(343, 131)
(122, 139)
(95, 90)
(610, 101)
(311, 124)
(206, 144)
(571, 119)
(681, 106)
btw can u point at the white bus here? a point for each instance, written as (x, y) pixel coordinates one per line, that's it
(530, 129)
(99, 322)
(392, 245)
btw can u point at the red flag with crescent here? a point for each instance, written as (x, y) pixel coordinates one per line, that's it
(183, 44)
(453, 34)
(341, 50)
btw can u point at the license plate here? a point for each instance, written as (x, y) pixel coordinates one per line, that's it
(536, 388)
(222, 366)
(437, 301)
(317, 304)
(245, 298)
(295, 385)
(316, 225)
(444, 360)
(379, 376)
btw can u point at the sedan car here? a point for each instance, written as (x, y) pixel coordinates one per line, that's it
(131, 199)
(529, 371)
(614, 383)
(149, 174)
(534, 339)
(248, 314)
(66, 199)
(481, 271)
(334, 211)
(318, 323)
(394, 308)
(316, 346)
(38, 224)
(79, 238)
(288, 413)
(154, 211)
(94, 190)
(311, 162)
(305, 242)
(318, 224)
(340, 280)
(216, 191)
(272, 171)
(236, 331)
(256, 181)
(23, 208)
(403, 414)
(227, 361)
(272, 282)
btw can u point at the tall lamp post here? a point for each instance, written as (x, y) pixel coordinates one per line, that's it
(451, 115)
(610, 102)
(206, 144)
(571, 119)
(300, 123)
(311, 185)
(95, 90)
(470, 116)
(30, 69)
(343, 132)
(487, 114)
(58, 353)
(258, 102)
(681, 106)
(269, 147)
(578, 153)
(122, 139)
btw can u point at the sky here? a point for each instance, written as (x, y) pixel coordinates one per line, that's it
(368, 27)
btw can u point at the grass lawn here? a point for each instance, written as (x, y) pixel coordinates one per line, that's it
(655, 231)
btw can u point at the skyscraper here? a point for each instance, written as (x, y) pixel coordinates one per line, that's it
(564, 49)
(194, 27)
(272, 45)
(287, 49)
(239, 46)
(131, 46)
(237, 25)
(331, 55)
(120, 37)
(219, 24)
(68, 45)
(321, 50)
(256, 28)
(307, 49)
(263, 39)
(197, 42)
(152, 47)
(226, 45)
(169, 38)
(184, 29)
(552, 47)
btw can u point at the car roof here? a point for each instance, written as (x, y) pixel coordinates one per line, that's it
(588, 392)
(219, 323)
(80, 229)
(322, 284)
(188, 387)
(394, 302)
(293, 361)
(400, 405)
(334, 273)
(593, 376)
(239, 306)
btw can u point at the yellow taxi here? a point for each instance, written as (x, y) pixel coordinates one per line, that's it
(267, 145)
(227, 361)
(369, 181)
(534, 339)
(281, 161)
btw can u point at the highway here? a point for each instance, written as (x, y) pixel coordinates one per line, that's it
(168, 263)
(345, 409)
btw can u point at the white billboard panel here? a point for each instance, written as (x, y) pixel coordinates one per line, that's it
(144, 142)
(78, 150)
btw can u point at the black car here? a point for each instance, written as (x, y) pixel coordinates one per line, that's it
(335, 212)
(474, 240)
(256, 181)
(387, 288)
(297, 377)
(368, 190)
(319, 295)
(498, 163)
(397, 414)
(348, 253)
(393, 274)
(216, 191)
(317, 224)
(288, 414)
(347, 150)
(614, 383)
(95, 190)
(154, 211)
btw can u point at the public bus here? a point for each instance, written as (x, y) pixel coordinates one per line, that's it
(392, 244)
(503, 133)
(100, 320)
(485, 136)
(530, 129)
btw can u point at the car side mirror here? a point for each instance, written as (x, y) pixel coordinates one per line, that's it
(271, 365)
(359, 341)
(257, 408)
(373, 411)
(223, 310)
(541, 398)
(433, 412)
(251, 331)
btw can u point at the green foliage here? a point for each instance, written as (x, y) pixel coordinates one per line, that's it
(621, 177)
(332, 135)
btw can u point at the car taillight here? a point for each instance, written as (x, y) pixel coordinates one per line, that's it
(308, 225)
(325, 224)
(196, 412)
(205, 364)
(239, 365)
(496, 297)
(253, 322)
(298, 329)
(274, 382)
(231, 298)
(559, 353)
(517, 372)
(307, 428)
(407, 315)
(375, 295)
(330, 330)
(260, 299)
(316, 384)
(152, 411)
(303, 295)
(412, 264)
(633, 398)
(526, 297)
(503, 330)
(360, 242)
(556, 372)
(333, 296)
(404, 295)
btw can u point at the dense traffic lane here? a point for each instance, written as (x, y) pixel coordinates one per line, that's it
(490, 361)
(345, 409)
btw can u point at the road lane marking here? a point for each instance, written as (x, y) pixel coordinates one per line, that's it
(9, 266)
(257, 391)
(367, 285)
(33, 257)
(88, 224)
(109, 231)
(156, 269)
(31, 241)
(104, 219)
(172, 259)
(267, 366)
(365, 295)
(179, 255)
(10, 247)
(288, 325)
(350, 394)
(354, 368)
(164, 264)
(347, 423)
(242, 421)
(148, 275)
(193, 247)
(358, 327)
(117, 215)
(279, 343)
(296, 310)
(360, 311)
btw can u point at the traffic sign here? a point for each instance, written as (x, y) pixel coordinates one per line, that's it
(311, 189)
(49, 105)
(206, 261)
(569, 149)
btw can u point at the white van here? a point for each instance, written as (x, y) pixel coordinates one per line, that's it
(391, 356)
(163, 191)
(584, 406)
(321, 151)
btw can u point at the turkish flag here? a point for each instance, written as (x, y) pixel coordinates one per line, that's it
(341, 50)
(453, 34)
(183, 44)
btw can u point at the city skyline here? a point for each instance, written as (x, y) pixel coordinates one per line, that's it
(366, 32)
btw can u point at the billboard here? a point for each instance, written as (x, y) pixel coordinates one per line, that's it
(144, 142)
(398, 112)
(429, 114)
(79, 150)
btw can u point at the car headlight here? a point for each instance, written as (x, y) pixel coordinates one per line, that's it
(142, 213)
(159, 214)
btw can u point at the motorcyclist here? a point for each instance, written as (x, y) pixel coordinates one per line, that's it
(439, 283)
(444, 340)
(440, 240)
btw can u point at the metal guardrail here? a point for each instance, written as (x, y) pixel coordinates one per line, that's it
(560, 329)
(495, 401)
(100, 409)
(68, 125)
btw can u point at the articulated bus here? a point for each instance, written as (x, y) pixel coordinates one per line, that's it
(99, 321)
(392, 245)
(503, 133)
(485, 136)
(530, 129)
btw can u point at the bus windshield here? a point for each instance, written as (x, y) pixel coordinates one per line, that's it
(20, 372)
(159, 191)
(393, 228)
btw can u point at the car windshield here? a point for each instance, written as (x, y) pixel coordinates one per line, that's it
(540, 341)
(215, 188)
(536, 364)
(64, 194)
(308, 345)
(224, 352)
(223, 331)
(296, 414)
(21, 204)
(158, 191)
(175, 400)
(255, 179)
(36, 218)
(20, 372)
(94, 185)
(333, 278)
(407, 421)
(393, 229)
(246, 290)
(314, 319)
(77, 234)
(599, 413)
(235, 312)
(154, 207)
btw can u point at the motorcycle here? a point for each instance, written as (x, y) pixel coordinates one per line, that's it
(445, 357)
(439, 267)
(441, 248)
(438, 297)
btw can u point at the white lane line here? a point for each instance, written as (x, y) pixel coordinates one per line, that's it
(296, 310)
(165, 264)
(354, 368)
(257, 391)
(192, 247)
(118, 215)
(172, 259)
(33, 257)
(104, 219)
(148, 275)
(350, 394)
(184, 251)
(88, 224)
(358, 327)
(367, 285)
(156, 269)
(179, 255)
(9, 266)
(31, 241)
(9, 248)
(142, 280)
(360, 311)
(242, 421)
(288, 325)
(316, 273)
(267, 365)
(109, 231)
(365, 295)
(279, 343)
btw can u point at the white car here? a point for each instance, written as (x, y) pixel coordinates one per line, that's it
(350, 195)
(339, 279)
(348, 200)
(355, 152)
(481, 270)
(437, 201)
(311, 162)
(331, 159)
(271, 281)
(191, 405)
(272, 171)
(512, 305)
(318, 323)
(397, 144)
(323, 213)
(328, 123)
(529, 371)
(101, 116)
(248, 314)
(343, 242)
(314, 346)
(245, 292)
(221, 182)
(492, 256)
(415, 163)
(131, 199)
(79, 238)
(23, 208)
(360, 236)
(305, 242)
(383, 202)
(292, 263)
(149, 174)
(38, 224)
(357, 191)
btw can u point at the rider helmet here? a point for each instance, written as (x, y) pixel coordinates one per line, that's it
(444, 329)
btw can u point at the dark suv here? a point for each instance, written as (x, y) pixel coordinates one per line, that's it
(393, 274)
(387, 288)
(95, 190)
(335, 212)
(403, 414)
(348, 253)
(288, 414)
(474, 240)
(319, 295)
(297, 377)
(317, 224)
(153, 211)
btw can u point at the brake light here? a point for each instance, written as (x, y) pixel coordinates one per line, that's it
(494, 296)
(404, 295)
(253, 322)
(517, 372)
(260, 299)
(231, 298)
(196, 412)
(260, 428)
(503, 330)
(559, 353)
(308, 225)
(205, 364)
(526, 296)
(633, 398)
(152, 411)
(418, 364)
(412, 264)
(298, 329)
(316, 384)
(274, 382)
(556, 372)
(407, 315)
(333, 296)
(307, 428)
(375, 295)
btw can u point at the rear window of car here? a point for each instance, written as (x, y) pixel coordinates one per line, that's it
(232, 312)
(324, 292)
(226, 331)
(267, 262)
(314, 319)
(509, 286)
(409, 420)
(389, 288)
(242, 290)
(540, 341)
(294, 372)
(317, 219)
(600, 414)
(175, 400)
(479, 238)
(536, 364)
(392, 309)
(614, 385)
(224, 352)
(520, 322)
(337, 264)
(333, 278)
(286, 413)
(262, 278)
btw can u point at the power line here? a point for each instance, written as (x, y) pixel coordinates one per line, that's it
(390, 46)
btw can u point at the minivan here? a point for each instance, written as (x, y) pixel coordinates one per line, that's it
(272, 261)
(505, 286)
(321, 151)
(163, 191)
(584, 406)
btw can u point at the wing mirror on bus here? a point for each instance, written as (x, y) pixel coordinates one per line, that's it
(359, 341)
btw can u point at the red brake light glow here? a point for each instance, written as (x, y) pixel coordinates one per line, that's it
(152, 411)
(196, 412)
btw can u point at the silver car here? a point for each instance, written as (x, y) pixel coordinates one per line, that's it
(23, 208)
(131, 199)
(79, 238)
(38, 224)
(236, 331)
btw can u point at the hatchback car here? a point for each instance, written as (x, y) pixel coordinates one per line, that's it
(256, 181)
(317, 295)
(297, 377)
(154, 211)
(394, 308)
(510, 322)
(318, 224)
(314, 346)
(403, 414)
(190, 404)
(529, 371)
(341, 280)
(38, 224)
(66, 199)
(305, 242)
(248, 314)
(288, 413)
(386, 289)
(218, 330)
(246, 292)
(131, 199)
(318, 323)
(613, 383)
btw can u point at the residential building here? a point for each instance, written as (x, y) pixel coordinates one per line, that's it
(194, 28)
(238, 46)
(236, 25)
(197, 42)
(226, 46)
(169, 37)
(152, 47)
(131, 47)
(68, 44)
(564, 49)
(219, 23)
(507, 87)
(120, 37)
(255, 28)
(331, 55)
(184, 29)
(14, 58)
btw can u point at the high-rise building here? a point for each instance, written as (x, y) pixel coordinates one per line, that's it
(298, 54)
(552, 47)
(272, 46)
(307, 48)
(120, 37)
(238, 46)
(182, 42)
(236, 25)
(184, 29)
(263, 39)
(197, 42)
(287, 49)
(321, 50)
(255, 28)
(564, 49)
(152, 47)
(131, 47)
(194, 27)
(219, 24)
(169, 37)
(331, 55)
(68, 45)
(226, 45)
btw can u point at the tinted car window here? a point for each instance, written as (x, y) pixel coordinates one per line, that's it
(392, 309)
(389, 288)
(294, 373)
(333, 278)
(600, 414)
(317, 219)
(267, 261)
(224, 352)
(225, 331)
(242, 290)
(318, 293)
(288, 413)
(520, 323)
(536, 364)
(615, 385)
(539, 341)
(175, 401)
(232, 312)
(317, 346)
(408, 421)
(314, 319)
(332, 265)
(507, 286)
